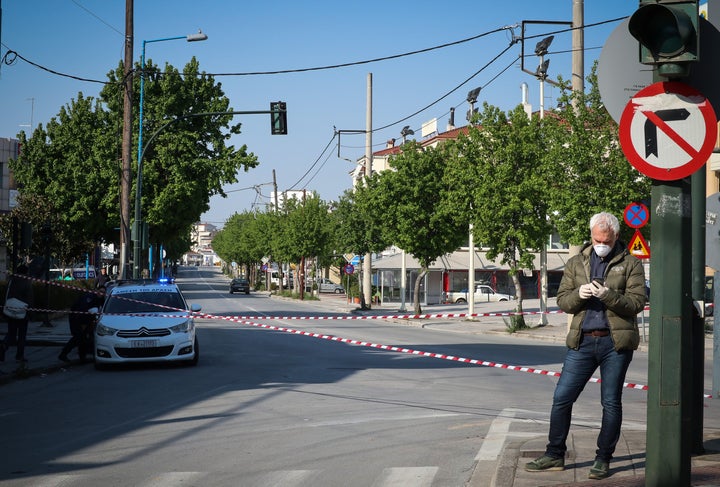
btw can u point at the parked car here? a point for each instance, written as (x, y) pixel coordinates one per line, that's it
(325, 285)
(483, 294)
(240, 285)
(145, 321)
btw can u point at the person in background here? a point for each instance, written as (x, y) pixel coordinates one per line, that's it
(603, 287)
(82, 320)
(102, 279)
(21, 288)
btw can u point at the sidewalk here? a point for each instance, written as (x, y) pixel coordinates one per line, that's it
(627, 469)
(41, 350)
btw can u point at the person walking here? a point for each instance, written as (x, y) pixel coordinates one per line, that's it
(19, 287)
(603, 287)
(81, 322)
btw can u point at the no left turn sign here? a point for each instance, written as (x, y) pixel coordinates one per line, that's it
(668, 130)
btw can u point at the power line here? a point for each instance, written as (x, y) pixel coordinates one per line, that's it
(313, 164)
(97, 17)
(367, 61)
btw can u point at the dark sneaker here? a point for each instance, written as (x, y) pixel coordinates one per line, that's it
(64, 358)
(599, 470)
(545, 464)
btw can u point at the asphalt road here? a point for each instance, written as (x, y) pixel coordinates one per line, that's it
(278, 407)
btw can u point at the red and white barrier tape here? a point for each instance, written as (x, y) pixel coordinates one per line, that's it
(484, 363)
(245, 321)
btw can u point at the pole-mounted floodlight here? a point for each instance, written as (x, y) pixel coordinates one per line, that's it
(542, 69)
(406, 130)
(541, 48)
(471, 99)
(473, 95)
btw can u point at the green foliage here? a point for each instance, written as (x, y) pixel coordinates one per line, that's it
(301, 229)
(361, 219)
(409, 205)
(587, 170)
(499, 182)
(73, 162)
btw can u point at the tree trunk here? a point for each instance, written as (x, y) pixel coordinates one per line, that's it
(519, 319)
(416, 291)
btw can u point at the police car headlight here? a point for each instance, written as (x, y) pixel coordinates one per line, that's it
(183, 327)
(103, 330)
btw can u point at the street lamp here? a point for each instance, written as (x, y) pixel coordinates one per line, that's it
(137, 248)
(472, 99)
(541, 49)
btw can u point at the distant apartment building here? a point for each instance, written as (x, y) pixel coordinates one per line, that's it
(201, 251)
(9, 149)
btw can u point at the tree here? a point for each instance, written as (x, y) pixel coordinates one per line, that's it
(74, 160)
(499, 181)
(413, 201)
(588, 171)
(305, 232)
(360, 220)
(70, 163)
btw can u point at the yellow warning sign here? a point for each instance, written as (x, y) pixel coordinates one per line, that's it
(638, 246)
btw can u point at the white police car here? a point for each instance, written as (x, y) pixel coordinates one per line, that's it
(144, 321)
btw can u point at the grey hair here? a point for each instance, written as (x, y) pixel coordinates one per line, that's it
(605, 221)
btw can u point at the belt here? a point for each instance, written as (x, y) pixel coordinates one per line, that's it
(597, 333)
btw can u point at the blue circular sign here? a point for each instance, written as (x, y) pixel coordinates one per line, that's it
(636, 215)
(349, 269)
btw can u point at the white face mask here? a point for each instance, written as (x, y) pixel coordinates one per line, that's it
(601, 250)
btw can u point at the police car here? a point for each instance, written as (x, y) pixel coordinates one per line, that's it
(145, 321)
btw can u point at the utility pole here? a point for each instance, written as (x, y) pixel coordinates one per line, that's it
(126, 140)
(367, 263)
(578, 48)
(669, 37)
(275, 190)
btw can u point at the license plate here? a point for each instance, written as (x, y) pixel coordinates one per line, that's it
(143, 343)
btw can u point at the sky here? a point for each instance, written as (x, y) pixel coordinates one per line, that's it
(424, 57)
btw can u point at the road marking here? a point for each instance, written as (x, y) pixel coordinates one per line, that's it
(167, 479)
(286, 478)
(415, 476)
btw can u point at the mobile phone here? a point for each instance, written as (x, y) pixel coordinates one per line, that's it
(599, 280)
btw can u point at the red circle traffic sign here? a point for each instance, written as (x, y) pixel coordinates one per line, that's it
(349, 269)
(636, 215)
(668, 130)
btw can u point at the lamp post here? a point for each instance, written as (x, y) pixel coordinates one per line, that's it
(137, 245)
(472, 97)
(541, 49)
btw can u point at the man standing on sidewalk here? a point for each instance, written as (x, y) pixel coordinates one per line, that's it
(603, 287)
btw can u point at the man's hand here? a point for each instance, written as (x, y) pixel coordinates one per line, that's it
(586, 291)
(599, 290)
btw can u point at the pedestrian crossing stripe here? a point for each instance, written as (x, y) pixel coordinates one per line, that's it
(638, 246)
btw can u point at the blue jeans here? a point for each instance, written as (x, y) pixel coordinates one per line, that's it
(578, 368)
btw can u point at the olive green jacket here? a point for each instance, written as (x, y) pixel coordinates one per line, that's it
(625, 279)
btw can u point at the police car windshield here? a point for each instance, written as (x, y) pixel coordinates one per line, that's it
(144, 302)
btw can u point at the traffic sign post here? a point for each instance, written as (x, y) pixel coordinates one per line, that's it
(665, 132)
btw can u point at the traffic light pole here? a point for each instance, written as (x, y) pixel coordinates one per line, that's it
(278, 116)
(669, 356)
(668, 33)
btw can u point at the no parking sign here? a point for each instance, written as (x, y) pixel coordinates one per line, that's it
(636, 215)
